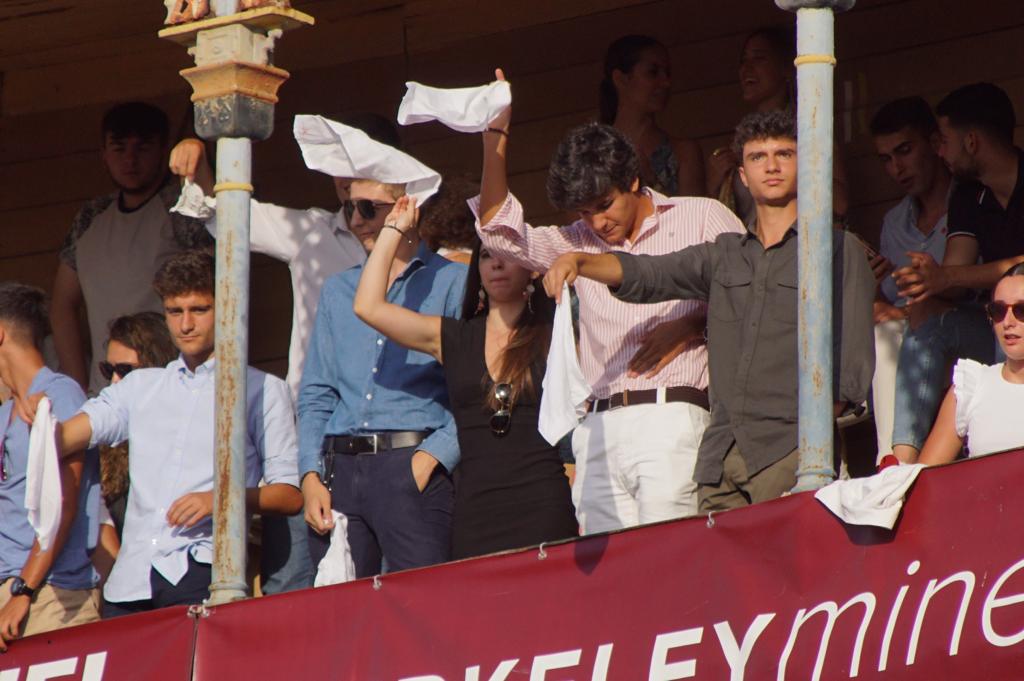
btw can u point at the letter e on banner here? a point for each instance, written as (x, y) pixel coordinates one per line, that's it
(542, 664)
(992, 601)
(661, 668)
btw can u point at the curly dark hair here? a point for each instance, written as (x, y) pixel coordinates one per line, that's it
(186, 272)
(23, 309)
(590, 161)
(762, 125)
(445, 220)
(146, 333)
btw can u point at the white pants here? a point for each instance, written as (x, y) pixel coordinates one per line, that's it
(888, 339)
(634, 465)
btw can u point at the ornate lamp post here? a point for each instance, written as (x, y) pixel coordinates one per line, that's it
(234, 91)
(815, 70)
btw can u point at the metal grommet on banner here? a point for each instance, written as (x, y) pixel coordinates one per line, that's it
(377, 584)
(198, 611)
(541, 553)
(711, 521)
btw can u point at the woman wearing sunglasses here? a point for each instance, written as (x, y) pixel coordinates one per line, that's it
(982, 410)
(136, 341)
(511, 490)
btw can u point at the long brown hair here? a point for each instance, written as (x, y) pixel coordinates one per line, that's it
(528, 343)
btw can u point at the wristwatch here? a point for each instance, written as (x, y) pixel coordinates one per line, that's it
(20, 588)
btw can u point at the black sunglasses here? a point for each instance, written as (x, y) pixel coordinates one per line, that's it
(367, 208)
(997, 311)
(502, 419)
(122, 369)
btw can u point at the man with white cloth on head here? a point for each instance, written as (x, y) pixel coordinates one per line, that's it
(636, 449)
(42, 588)
(377, 440)
(315, 244)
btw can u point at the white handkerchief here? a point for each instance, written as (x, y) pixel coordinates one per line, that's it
(467, 109)
(566, 392)
(194, 203)
(875, 500)
(343, 151)
(336, 566)
(42, 477)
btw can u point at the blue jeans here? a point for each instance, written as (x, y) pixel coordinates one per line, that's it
(925, 367)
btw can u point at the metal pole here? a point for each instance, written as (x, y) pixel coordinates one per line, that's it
(234, 169)
(234, 92)
(815, 65)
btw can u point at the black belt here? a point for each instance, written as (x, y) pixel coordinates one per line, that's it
(377, 443)
(628, 398)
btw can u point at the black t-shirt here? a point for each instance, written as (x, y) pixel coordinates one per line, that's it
(975, 212)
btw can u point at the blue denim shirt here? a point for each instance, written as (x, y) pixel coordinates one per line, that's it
(357, 382)
(72, 569)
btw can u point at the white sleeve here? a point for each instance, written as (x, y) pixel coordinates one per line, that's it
(966, 374)
(278, 231)
(104, 515)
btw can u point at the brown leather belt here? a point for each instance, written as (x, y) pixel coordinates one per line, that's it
(629, 398)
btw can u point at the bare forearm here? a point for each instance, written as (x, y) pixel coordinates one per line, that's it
(69, 344)
(494, 182)
(371, 294)
(982, 276)
(274, 499)
(39, 562)
(74, 435)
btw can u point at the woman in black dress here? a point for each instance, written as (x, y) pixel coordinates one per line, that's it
(511, 489)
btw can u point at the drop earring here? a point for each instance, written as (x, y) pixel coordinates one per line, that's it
(530, 289)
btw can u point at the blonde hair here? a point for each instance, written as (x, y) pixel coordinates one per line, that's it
(396, 191)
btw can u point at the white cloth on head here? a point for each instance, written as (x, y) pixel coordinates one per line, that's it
(42, 477)
(343, 151)
(468, 109)
(875, 500)
(565, 390)
(336, 566)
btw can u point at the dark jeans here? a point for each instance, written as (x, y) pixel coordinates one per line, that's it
(284, 562)
(193, 589)
(388, 517)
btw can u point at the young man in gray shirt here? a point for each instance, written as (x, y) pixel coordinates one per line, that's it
(749, 451)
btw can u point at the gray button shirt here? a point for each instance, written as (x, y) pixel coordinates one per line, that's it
(752, 335)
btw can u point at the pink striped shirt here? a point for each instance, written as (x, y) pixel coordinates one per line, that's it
(611, 331)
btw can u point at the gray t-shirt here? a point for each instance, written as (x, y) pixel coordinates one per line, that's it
(116, 253)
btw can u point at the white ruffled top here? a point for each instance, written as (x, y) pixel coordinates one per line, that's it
(988, 408)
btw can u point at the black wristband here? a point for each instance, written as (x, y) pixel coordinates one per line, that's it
(498, 130)
(388, 225)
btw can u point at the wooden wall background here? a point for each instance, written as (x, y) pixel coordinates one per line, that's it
(63, 62)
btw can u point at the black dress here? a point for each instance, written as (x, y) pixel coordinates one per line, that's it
(510, 491)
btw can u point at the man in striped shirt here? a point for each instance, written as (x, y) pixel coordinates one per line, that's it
(636, 449)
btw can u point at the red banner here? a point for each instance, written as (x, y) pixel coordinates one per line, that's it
(783, 590)
(155, 646)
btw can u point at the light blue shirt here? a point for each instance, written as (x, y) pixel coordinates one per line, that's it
(72, 569)
(357, 382)
(167, 416)
(900, 234)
